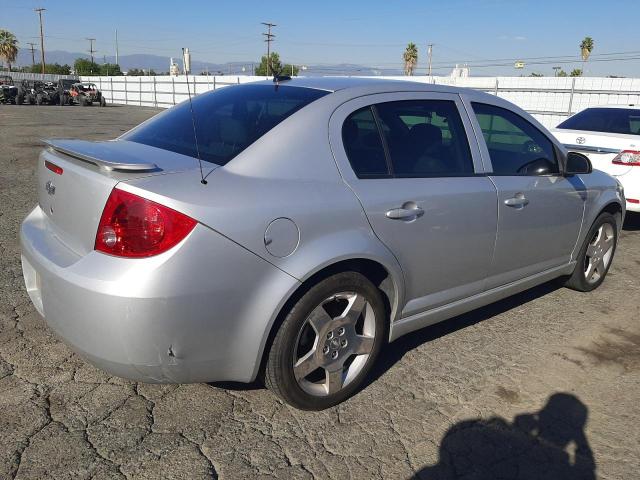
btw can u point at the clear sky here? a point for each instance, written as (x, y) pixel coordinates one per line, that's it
(362, 32)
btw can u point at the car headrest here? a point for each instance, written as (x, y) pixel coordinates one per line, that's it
(426, 135)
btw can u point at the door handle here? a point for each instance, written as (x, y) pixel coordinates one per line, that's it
(405, 213)
(518, 201)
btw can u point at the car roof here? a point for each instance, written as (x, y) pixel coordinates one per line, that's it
(629, 106)
(334, 84)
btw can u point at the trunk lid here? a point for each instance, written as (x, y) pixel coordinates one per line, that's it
(600, 147)
(73, 201)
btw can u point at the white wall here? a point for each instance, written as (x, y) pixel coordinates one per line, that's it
(549, 99)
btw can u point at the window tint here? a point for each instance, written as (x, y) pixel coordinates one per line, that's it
(515, 146)
(363, 144)
(425, 138)
(611, 120)
(227, 120)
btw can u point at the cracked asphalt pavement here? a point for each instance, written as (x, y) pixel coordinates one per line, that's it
(541, 385)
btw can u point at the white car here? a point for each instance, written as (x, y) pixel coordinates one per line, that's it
(610, 136)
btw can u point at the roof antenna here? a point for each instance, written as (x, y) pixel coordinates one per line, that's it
(193, 121)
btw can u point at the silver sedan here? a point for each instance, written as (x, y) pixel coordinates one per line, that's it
(287, 231)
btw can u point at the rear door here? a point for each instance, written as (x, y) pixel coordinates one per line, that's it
(411, 161)
(539, 209)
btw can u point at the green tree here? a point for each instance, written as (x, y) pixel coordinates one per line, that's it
(291, 70)
(110, 69)
(140, 72)
(586, 47)
(8, 47)
(83, 66)
(576, 72)
(535, 74)
(562, 73)
(276, 65)
(410, 57)
(54, 68)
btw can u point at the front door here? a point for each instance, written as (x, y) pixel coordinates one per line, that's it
(409, 159)
(539, 209)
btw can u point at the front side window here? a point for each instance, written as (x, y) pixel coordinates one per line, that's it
(425, 138)
(625, 121)
(227, 120)
(515, 146)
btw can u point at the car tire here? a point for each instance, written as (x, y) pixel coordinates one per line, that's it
(38, 99)
(596, 254)
(327, 343)
(103, 102)
(19, 99)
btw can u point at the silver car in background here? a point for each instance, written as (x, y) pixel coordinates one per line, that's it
(331, 216)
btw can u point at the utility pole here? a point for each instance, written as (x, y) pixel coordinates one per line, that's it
(33, 53)
(269, 38)
(39, 11)
(91, 50)
(117, 52)
(430, 53)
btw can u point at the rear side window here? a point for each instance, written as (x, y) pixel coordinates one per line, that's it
(363, 144)
(415, 138)
(227, 120)
(425, 138)
(515, 146)
(625, 121)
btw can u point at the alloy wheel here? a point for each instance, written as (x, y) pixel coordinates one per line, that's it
(334, 343)
(599, 253)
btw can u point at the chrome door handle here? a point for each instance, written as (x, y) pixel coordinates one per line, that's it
(405, 213)
(518, 201)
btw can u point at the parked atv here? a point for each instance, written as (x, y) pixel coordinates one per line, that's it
(64, 91)
(47, 94)
(8, 91)
(27, 92)
(86, 94)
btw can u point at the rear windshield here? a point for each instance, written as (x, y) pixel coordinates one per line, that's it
(227, 120)
(625, 121)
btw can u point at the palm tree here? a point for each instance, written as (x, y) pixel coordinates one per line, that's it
(586, 47)
(410, 58)
(8, 47)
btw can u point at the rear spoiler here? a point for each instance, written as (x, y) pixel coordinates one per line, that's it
(109, 155)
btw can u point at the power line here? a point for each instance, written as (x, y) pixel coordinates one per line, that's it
(39, 11)
(33, 56)
(269, 38)
(91, 50)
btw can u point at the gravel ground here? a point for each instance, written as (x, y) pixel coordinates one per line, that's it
(542, 385)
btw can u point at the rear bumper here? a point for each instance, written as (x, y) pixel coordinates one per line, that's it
(199, 312)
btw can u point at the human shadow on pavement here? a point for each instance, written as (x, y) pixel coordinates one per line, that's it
(549, 444)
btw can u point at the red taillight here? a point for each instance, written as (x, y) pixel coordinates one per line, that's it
(53, 167)
(630, 158)
(633, 200)
(134, 227)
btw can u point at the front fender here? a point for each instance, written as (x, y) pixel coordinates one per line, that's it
(602, 191)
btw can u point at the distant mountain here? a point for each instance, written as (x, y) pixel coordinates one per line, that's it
(161, 64)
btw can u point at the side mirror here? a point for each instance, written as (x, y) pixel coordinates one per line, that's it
(578, 163)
